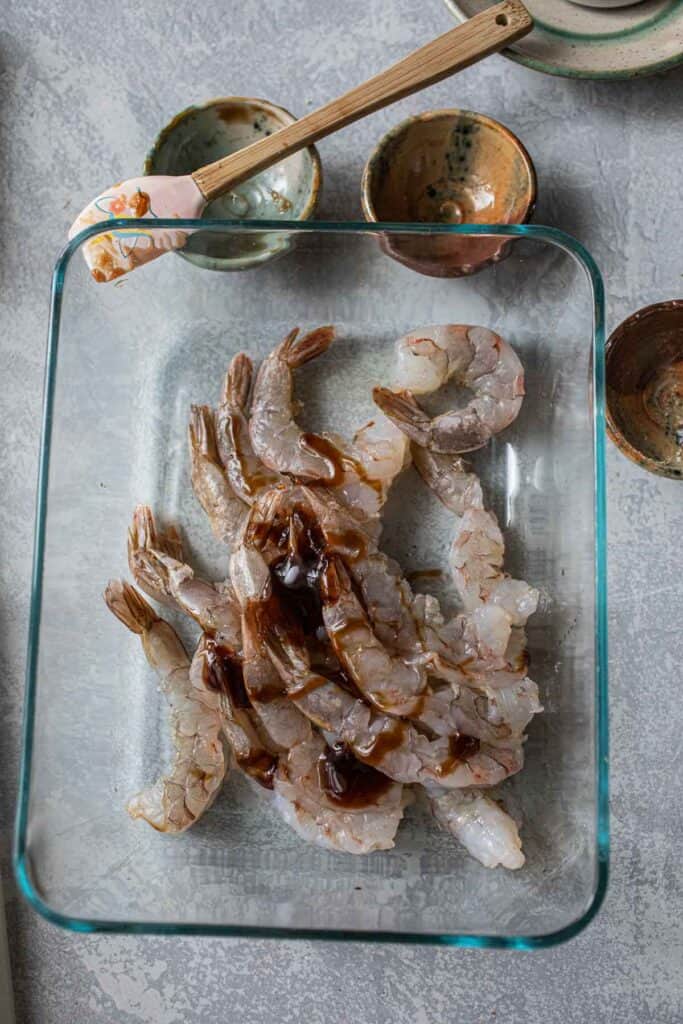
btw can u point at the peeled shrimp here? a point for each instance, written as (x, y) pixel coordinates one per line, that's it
(389, 683)
(158, 569)
(386, 594)
(277, 439)
(363, 470)
(247, 474)
(402, 689)
(220, 673)
(478, 359)
(281, 719)
(145, 535)
(476, 560)
(225, 511)
(342, 532)
(328, 815)
(391, 745)
(461, 649)
(389, 600)
(486, 831)
(366, 468)
(175, 801)
(449, 478)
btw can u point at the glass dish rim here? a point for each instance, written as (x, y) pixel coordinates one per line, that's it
(551, 235)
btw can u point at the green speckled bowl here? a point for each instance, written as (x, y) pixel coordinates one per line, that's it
(448, 167)
(288, 190)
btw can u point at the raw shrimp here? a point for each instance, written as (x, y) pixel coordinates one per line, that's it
(452, 709)
(381, 452)
(145, 535)
(334, 801)
(478, 359)
(486, 831)
(512, 706)
(476, 560)
(476, 556)
(275, 435)
(449, 478)
(225, 511)
(364, 469)
(389, 683)
(281, 719)
(158, 569)
(386, 594)
(175, 801)
(391, 745)
(401, 689)
(220, 673)
(342, 532)
(246, 472)
(461, 650)
(389, 601)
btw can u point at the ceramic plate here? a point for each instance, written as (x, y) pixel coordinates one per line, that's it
(585, 42)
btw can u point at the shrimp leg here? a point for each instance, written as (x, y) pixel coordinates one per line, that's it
(177, 800)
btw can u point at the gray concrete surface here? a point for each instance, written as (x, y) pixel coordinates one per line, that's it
(83, 89)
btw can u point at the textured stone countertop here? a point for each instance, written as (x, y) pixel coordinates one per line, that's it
(83, 89)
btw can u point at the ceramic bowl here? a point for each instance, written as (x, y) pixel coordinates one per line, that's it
(449, 167)
(644, 374)
(595, 38)
(289, 190)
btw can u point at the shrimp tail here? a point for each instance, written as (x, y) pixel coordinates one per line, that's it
(129, 607)
(286, 659)
(145, 539)
(202, 433)
(297, 351)
(333, 580)
(238, 382)
(145, 533)
(170, 541)
(403, 410)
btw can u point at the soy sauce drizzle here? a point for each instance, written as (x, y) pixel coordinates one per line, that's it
(460, 748)
(347, 781)
(223, 674)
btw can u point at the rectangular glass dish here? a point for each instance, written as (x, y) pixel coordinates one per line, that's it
(125, 362)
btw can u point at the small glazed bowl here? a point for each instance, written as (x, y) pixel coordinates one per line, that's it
(449, 167)
(644, 376)
(288, 190)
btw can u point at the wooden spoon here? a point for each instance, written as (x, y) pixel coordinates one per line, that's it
(111, 254)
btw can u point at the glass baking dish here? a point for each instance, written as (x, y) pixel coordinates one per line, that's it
(124, 364)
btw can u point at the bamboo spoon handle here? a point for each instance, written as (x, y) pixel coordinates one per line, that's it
(487, 32)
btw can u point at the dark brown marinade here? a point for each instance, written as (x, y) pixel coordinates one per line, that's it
(223, 674)
(347, 781)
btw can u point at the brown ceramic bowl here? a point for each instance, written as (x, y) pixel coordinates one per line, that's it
(449, 167)
(644, 376)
